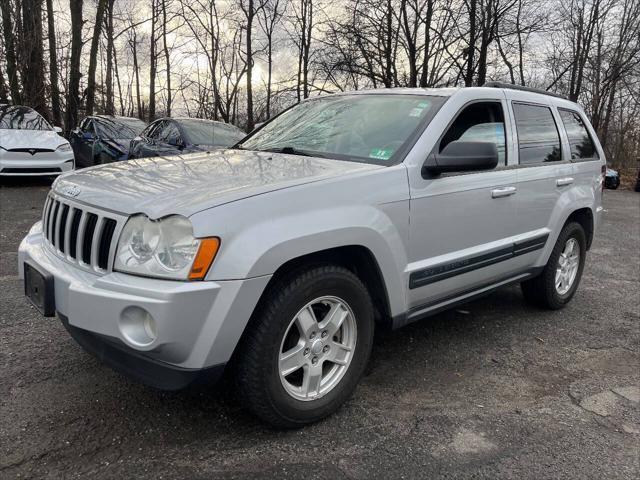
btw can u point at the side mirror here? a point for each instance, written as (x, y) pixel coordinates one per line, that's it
(58, 130)
(87, 136)
(461, 156)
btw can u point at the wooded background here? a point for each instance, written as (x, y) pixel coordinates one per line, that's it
(242, 61)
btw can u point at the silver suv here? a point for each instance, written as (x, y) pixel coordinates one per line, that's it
(277, 258)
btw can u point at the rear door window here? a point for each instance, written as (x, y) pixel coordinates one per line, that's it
(538, 137)
(582, 146)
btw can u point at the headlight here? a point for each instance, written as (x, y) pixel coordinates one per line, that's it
(164, 248)
(65, 147)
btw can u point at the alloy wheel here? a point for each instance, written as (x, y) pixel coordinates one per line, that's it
(317, 348)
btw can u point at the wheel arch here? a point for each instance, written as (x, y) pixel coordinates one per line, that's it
(584, 217)
(358, 259)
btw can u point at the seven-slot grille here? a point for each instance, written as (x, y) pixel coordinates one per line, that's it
(80, 235)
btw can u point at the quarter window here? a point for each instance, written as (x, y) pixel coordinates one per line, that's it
(582, 147)
(538, 138)
(479, 122)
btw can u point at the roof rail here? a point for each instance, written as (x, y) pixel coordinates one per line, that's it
(512, 86)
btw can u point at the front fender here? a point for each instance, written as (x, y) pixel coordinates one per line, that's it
(262, 233)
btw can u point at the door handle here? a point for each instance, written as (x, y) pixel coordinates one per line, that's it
(561, 182)
(503, 192)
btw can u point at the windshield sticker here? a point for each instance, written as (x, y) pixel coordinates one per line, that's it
(381, 153)
(416, 112)
(423, 104)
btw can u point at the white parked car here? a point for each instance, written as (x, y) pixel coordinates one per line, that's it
(30, 146)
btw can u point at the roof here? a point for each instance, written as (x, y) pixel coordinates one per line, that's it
(440, 92)
(511, 86)
(115, 118)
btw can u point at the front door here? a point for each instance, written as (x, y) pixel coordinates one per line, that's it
(462, 229)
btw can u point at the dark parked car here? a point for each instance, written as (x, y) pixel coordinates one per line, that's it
(175, 136)
(611, 179)
(104, 139)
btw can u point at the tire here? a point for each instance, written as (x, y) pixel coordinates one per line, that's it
(542, 290)
(272, 331)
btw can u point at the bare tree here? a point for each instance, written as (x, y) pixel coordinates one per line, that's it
(108, 27)
(166, 55)
(133, 44)
(93, 57)
(271, 15)
(153, 60)
(250, 9)
(73, 90)
(32, 61)
(53, 66)
(10, 52)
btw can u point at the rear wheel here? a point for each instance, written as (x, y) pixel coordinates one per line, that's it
(559, 280)
(306, 346)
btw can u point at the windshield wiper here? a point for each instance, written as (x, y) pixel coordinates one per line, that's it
(293, 151)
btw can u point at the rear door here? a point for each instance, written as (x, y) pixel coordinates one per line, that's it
(584, 152)
(544, 173)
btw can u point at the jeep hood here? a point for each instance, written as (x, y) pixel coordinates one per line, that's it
(188, 184)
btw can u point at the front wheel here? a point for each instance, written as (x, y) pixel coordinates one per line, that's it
(306, 346)
(559, 280)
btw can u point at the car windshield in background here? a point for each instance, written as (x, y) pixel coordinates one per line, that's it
(133, 123)
(369, 128)
(204, 132)
(22, 118)
(111, 129)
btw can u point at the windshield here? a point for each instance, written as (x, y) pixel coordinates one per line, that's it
(367, 128)
(133, 123)
(110, 129)
(22, 118)
(207, 132)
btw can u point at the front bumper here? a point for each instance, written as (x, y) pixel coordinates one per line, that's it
(24, 164)
(196, 324)
(138, 367)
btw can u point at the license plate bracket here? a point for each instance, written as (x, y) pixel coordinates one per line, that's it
(38, 288)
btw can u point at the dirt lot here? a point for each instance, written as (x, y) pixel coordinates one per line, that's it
(496, 389)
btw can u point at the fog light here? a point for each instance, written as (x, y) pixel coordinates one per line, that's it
(138, 326)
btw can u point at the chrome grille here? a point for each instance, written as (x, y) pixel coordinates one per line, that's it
(80, 234)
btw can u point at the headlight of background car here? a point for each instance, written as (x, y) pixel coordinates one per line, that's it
(164, 248)
(65, 147)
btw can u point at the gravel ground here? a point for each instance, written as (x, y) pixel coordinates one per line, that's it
(496, 389)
